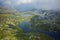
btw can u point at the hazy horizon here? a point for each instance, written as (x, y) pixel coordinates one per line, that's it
(37, 4)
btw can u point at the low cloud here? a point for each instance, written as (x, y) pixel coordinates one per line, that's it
(39, 4)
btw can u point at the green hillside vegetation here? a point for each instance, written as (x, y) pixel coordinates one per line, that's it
(8, 26)
(9, 29)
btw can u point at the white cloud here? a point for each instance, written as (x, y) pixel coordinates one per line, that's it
(47, 4)
(23, 1)
(7, 2)
(40, 4)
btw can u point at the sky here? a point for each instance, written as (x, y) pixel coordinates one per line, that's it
(38, 4)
